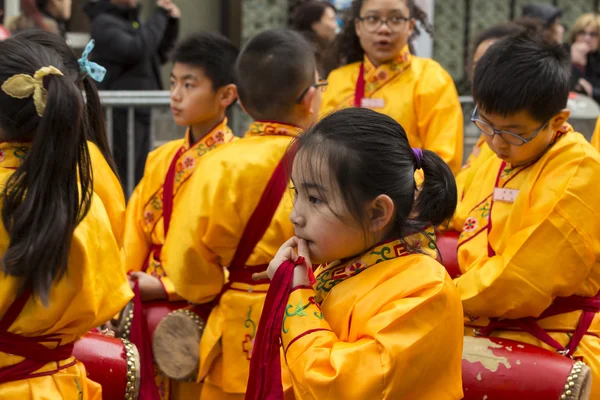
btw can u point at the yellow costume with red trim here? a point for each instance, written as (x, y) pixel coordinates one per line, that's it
(206, 231)
(93, 289)
(530, 240)
(384, 325)
(417, 92)
(145, 225)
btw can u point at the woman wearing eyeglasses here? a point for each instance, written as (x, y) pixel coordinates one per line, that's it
(379, 72)
(585, 75)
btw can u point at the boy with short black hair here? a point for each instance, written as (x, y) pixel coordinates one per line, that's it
(531, 217)
(202, 88)
(232, 196)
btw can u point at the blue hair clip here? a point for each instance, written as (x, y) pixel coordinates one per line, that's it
(95, 71)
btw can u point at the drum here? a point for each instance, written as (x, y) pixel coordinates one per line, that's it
(154, 312)
(113, 363)
(447, 243)
(499, 369)
(176, 343)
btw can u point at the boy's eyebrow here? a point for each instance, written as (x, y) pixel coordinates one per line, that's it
(185, 77)
(512, 126)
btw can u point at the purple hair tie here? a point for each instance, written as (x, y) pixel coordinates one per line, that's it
(418, 157)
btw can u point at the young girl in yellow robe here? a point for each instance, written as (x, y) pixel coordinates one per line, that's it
(383, 319)
(379, 72)
(106, 181)
(61, 272)
(530, 219)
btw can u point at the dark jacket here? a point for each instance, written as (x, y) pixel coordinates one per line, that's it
(131, 52)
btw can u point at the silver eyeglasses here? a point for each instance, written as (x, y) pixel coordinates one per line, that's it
(509, 137)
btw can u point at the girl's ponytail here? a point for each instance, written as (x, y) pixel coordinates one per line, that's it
(51, 191)
(437, 197)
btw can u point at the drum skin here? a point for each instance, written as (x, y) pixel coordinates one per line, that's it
(176, 342)
(447, 243)
(111, 362)
(500, 369)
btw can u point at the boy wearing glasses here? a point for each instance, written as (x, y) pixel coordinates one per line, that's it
(530, 220)
(277, 84)
(380, 72)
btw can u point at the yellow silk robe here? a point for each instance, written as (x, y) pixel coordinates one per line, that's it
(205, 232)
(110, 191)
(416, 92)
(145, 225)
(394, 331)
(480, 154)
(546, 241)
(91, 292)
(596, 136)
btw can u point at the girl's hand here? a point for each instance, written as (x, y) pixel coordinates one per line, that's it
(287, 253)
(301, 271)
(151, 287)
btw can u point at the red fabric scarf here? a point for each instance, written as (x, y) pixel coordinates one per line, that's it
(264, 382)
(141, 338)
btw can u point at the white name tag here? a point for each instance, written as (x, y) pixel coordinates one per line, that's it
(372, 103)
(505, 195)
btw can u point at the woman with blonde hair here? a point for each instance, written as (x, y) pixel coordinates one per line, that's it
(583, 40)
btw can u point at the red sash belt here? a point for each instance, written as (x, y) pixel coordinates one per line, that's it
(244, 275)
(561, 305)
(30, 347)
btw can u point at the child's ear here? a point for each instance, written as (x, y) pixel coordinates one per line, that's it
(228, 94)
(380, 212)
(308, 101)
(559, 119)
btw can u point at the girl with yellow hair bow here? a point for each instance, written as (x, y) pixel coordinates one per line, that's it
(60, 259)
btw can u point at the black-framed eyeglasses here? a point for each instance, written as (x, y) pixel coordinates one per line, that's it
(372, 23)
(322, 84)
(509, 137)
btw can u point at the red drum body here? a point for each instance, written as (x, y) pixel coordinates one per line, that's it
(499, 369)
(154, 312)
(447, 244)
(113, 363)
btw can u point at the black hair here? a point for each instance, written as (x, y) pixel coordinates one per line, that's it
(308, 13)
(271, 72)
(51, 191)
(523, 73)
(94, 116)
(497, 31)
(346, 47)
(212, 52)
(368, 154)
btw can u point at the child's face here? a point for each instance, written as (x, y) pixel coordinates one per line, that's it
(193, 99)
(524, 125)
(383, 42)
(320, 216)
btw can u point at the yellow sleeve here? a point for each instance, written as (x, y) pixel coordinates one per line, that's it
(110, 191)
(596, 136)
(550, 255)
(170, 289)
(203, 235)
(137, 242)
(340, 86)
(391, 351)
(439, 115)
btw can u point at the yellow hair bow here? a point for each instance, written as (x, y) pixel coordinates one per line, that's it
(22, 86)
